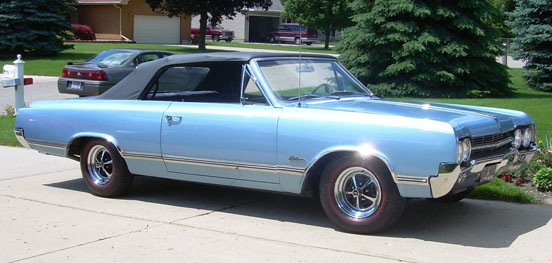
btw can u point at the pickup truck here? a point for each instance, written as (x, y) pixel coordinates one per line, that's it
(217, 33)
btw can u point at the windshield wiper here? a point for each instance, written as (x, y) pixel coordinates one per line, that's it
(344, 93)
(305, 96)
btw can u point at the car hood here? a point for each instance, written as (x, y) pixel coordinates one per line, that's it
(465, 120)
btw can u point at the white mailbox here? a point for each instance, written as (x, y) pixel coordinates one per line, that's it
(9, 79)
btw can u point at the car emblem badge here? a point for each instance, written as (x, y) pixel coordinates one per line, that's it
(78, 74)
(294, 158)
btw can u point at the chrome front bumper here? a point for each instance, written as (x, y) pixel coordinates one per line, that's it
(453, 177)
(20, 135)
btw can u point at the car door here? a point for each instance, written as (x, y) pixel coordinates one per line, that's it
(208, 132)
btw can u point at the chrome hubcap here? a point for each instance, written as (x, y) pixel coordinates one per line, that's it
(100, 165)
(357, 193)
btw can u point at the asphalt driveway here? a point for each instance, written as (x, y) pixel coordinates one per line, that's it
(47, 214)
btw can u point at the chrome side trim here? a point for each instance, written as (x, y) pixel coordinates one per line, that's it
(234, 165)
(142, 156)
(20, 136)
(106, 137)
(53, 145)
(412, 179)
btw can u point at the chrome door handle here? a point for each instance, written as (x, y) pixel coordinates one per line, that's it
(171, 119)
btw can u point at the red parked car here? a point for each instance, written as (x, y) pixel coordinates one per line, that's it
(216, 32)
(293, 32)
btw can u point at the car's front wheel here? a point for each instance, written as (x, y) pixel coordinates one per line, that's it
(359, 195)
(104, 170)
(272, 39)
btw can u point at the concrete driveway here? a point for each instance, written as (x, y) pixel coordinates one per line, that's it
(44, 88)
(47, 215)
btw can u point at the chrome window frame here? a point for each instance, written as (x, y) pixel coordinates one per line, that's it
(271, 95)
(247, 71)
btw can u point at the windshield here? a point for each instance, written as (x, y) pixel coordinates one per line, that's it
(313, 78)
(111, 57)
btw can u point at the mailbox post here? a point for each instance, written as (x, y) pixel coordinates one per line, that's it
(13, 76)
(19, 91)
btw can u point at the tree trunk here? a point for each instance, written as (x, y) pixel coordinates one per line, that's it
(327, 41)
(202, 30)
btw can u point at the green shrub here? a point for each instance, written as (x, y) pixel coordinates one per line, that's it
(426, 48)
(543, 179)
(532, 26)
(34, 27)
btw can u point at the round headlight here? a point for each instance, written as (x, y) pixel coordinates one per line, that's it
(517, 138)
(527, 136)
(459, 152)
(466, 150)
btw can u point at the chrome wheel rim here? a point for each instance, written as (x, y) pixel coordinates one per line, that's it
(357, 193)
(100, 165)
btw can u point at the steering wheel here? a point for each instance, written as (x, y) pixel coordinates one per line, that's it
(326, 87)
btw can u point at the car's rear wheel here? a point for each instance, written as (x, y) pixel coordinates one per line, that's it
(228, 40)
(216, 38)
(308, 43)
(104, 170)
(297, 41)
(359, 195)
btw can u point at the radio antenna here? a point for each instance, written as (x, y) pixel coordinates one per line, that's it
(300, 64)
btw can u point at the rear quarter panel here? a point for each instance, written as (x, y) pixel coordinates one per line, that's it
(134, 125)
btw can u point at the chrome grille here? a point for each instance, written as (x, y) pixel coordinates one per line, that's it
(489, 145)
(227, 34)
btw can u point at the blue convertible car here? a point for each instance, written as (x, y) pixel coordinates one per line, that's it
(279, 122)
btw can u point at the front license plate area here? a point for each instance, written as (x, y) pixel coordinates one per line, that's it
(487, 174)
(77, 85)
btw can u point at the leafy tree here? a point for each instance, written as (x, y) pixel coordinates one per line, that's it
(532, 26)
(425, 48)
(216, 8)
(325, 15)
(34, 27)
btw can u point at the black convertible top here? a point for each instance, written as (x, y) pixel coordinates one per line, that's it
(132, 86)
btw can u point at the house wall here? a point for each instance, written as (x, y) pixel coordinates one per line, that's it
(104, 19)
(106, 25)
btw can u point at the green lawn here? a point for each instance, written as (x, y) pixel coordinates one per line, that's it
(52, 66)
(7, 137)
(304, 48)
(502, 191)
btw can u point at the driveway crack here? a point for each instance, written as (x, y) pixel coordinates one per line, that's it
(86, 243)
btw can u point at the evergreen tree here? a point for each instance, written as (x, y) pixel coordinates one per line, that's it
(34, 27)
(216, 8)
(325, 15)
(425, 48)
(532, 26)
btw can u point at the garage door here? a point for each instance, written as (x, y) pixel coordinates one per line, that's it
(156, 29)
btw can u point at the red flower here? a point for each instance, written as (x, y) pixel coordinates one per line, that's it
(507, 177)
(519, 181)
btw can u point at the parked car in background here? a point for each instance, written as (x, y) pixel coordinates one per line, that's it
(101, 72)
(286, 123)
(216, 33)
(293, 32)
